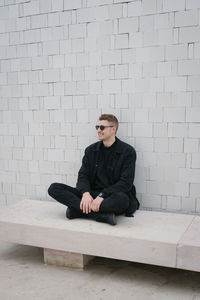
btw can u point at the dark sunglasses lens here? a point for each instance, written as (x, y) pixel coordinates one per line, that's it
(101, 127)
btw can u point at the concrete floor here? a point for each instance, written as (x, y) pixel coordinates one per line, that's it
(24, 276)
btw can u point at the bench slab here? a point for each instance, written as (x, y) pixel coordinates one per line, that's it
(150, 237)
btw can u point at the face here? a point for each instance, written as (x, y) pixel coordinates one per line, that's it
(108, 132)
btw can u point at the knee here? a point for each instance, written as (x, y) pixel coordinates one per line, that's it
(122, 198)
(52, 189)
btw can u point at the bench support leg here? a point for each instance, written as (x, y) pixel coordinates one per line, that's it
(66, 259)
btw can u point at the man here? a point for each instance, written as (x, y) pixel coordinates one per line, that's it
(105, 180)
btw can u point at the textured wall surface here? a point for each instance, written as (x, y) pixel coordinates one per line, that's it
(64, 62)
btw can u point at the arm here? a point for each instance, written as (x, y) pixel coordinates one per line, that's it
(83, 185)
(83, 182)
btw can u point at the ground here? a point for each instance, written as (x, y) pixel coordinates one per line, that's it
(24, 276)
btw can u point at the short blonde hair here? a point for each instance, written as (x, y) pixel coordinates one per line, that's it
(110, 118)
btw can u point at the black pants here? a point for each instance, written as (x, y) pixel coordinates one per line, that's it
(116, 203)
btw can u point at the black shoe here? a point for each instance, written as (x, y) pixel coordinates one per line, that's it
(109, 218)
(72, 213)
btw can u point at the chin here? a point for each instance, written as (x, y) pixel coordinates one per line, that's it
(100, 138)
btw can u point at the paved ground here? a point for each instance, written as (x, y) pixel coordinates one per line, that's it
(24, 276)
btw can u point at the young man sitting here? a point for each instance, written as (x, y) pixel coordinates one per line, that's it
(104, 187)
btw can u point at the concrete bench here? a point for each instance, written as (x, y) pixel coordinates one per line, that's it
(158, 238)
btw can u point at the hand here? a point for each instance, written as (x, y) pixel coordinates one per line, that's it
(86, 203)
(96, 204)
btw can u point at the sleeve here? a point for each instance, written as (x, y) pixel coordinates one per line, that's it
(125, 182)
(83, 181)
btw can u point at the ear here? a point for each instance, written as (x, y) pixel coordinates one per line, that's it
(114, 129)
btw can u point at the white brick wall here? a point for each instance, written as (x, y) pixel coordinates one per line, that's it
(63, 63)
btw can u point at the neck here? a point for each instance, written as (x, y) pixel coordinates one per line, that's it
(109, 142)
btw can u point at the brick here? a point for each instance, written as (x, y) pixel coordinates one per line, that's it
(65, 17)
(188, 67)
(40, 62)
(141, 115)
(176, 52)
(66, 128)
(128, 55)
(78, 73)
(135, 39)
(77, 45)
(82, 115)
(164, 69)
(32, 36)
(162, 21)
(70, 60)
(115, 11)
(77, 31)
(194, 130)
(195, 161)
(155, 115)
(192, 4)
(95, 87)
(173, 203)
(175, 145)
(156, 173)
(121, 71)
(189, 34)
(165, 36)
(112, 57)
(45, 6)
(174, 114)
(51, 47)
(86, 15)
(90, 73)
(175, 84)
(178, 130)
(194, 189)
(146, 23)
(39, 21)
(128, 86)
(134, 9)
(142, 54)
(54, 33)
(161, 145)
(135, 70)
(189, 175)
(70, 88)
(75, 4)
(121, 41)
(195, 99)
(58, 89)
(191, 145)
(181, 99)
(54, 18)
(193, 114)
(186, 18)
(111, 86)
(121, 101)
(31, 8)
(142, 130)
(127, 25)
(193, 83)
(57, 5)
(40, 89)
(50, 75)
(171, 5)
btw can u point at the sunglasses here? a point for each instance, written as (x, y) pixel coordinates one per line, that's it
(101, 127)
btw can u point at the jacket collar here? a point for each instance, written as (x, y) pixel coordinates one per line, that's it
(118, 148)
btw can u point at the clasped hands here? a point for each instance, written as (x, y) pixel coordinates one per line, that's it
(89, 204)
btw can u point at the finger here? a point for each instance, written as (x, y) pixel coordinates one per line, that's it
(87, 208)
(81, 205)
